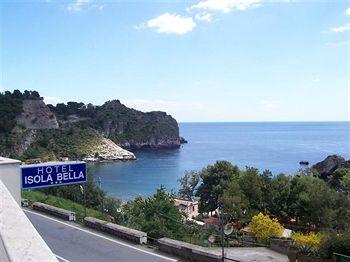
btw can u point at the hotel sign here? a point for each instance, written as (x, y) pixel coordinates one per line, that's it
(53, 174)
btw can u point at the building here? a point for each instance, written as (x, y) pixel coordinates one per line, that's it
(189, 207)
(212, 222)
(33, 161)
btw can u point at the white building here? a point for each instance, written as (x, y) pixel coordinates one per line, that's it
(189, 207)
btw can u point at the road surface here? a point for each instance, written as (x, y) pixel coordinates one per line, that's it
(71, 242)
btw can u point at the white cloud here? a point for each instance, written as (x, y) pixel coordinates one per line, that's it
(347, 11)
(341, 43)
(79, 5)
(342, 28)
(52, 100)
(170, 23)
(225, 6)
(270, 105)
(161, 105)
(207, 17)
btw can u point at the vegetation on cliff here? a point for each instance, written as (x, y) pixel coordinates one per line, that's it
(127, 127)
(73, 141)
(11, 106)
(30, 129)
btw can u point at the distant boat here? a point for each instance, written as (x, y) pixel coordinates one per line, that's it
(304, 162)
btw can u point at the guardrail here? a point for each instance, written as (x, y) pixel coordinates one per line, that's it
(188, 251)
(133, 235)
(19, 241)
(55, 211)
(341, 258)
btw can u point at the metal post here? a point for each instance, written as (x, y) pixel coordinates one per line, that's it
(85, 200)
(222, 234)
(99, 182)
(83, 191)
(100, 187)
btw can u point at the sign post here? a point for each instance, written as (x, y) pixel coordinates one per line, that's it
(53, 174)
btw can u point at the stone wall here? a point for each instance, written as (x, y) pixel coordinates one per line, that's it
(188, 251)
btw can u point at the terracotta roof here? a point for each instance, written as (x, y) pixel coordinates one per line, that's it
(212, 220)
(185, 202)
(246, 229)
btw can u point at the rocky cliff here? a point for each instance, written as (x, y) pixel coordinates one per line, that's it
(127, 127)
(30, 129)
(107, 150)
(326, 167)
(36, 115)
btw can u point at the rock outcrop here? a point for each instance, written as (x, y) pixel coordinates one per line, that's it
(131, 128)
(331, 163)
(31, 129)
(127, 127)
(36, 115)
(183, 140)
(107, 150)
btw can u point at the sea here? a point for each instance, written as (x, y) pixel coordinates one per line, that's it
(277, 146)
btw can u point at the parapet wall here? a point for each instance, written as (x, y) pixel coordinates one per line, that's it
(10, 175)
(188, 251)
(130, 234)
(19, 239)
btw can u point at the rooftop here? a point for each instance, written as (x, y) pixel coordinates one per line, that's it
(185, 202)
(6, 161)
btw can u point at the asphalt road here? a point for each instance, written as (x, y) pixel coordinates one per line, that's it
(73, 243)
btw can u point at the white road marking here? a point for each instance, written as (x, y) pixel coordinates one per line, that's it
(61, 258)
(104, 237)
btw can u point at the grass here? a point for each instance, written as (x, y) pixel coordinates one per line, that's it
(36, 196)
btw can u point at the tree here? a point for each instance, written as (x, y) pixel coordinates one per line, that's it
(279, 201)
(188, 184)
(235, 203)
(313, 202)
(112, 207)
(263, 227)
(337, 179)
(10, 108)
(251, 185)
(156, 215)
(265, 180)
(335, 243)
(214, 180)
(345, 183)
(17, 94)
(94, 195)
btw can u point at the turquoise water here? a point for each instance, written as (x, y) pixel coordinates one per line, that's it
(276, 146)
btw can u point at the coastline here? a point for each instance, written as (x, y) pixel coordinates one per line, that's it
(278, 147)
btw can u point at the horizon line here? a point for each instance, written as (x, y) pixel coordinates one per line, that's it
(267, 121)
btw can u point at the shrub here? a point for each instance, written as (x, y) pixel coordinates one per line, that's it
(36, 196)
(307, 243)
(335, 243)
(263, 227)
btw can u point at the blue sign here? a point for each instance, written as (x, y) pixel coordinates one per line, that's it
(53, 174)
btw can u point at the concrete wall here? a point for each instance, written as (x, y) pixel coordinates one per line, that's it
(130, 234)
(10, 175)
(188, 251)
(3, 254)
(55, 211)
(19, 239)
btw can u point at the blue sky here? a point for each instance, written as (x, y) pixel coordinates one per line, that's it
(209, 60)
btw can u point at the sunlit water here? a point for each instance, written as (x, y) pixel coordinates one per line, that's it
(275, 146)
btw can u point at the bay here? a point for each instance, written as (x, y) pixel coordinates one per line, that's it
(277, 146)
